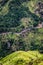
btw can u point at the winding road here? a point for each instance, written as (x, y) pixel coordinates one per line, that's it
(23, 31)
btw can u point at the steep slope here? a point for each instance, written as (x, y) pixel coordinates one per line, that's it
(23, 58)
(29, 40)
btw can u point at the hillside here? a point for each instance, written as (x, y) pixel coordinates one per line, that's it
(21, 26)
(23, 58)
(30, 40)
(21, 32)
(16, 15)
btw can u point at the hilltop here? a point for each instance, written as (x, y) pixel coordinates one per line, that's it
(23, 58)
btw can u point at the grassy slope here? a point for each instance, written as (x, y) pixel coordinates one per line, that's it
(23, 58)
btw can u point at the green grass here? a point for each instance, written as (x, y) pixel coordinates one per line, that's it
(40, 30)
(23, 58)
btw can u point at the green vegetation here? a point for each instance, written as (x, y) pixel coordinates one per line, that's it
(27, 41)
(23, 58)
(13, 11)
(21, 32)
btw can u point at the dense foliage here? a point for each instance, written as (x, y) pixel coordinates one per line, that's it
(10, 42)
(21, 28)
(12, 11)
